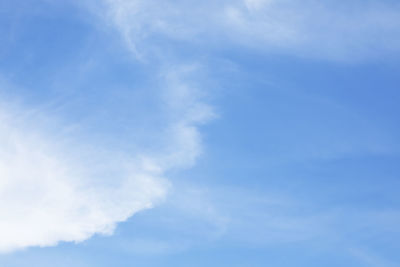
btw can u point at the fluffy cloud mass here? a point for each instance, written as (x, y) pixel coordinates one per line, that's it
(54, 188)
(49, 194)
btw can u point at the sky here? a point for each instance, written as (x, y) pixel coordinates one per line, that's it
(199, 133)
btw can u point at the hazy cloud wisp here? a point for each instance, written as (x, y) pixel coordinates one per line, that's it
(345, 32)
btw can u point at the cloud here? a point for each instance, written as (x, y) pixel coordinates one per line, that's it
(195, 216)
(346, 31)
(49, 193)
(57, 184)
(55, 188)
(183, 97)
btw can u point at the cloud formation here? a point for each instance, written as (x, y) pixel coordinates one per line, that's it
(346, 31)
(50, 193)
(53, 191)
(54, 188)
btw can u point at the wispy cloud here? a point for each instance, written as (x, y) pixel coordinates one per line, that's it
(347, 31)
(195, 216)
(311, 28)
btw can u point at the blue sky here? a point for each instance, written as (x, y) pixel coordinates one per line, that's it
(220, 133)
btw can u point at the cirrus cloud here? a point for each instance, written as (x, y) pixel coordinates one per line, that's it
(327, 30)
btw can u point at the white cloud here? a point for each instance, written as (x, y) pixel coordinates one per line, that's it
(47, 196)
(183, 99)
(54, 188)
(347, 30)
(344, 31)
